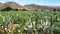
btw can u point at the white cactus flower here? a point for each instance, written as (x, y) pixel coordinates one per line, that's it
(2, 26)
(33, 22)
(5, 28)
(25, 28)
(18, 30)
(46, 22)
(30, 26)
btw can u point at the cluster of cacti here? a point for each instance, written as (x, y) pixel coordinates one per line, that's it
(29, 22)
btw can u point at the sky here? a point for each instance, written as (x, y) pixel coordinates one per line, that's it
(38, 2)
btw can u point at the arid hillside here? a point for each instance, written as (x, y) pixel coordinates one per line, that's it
(14, 5)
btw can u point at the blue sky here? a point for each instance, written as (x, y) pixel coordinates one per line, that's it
(39, 2)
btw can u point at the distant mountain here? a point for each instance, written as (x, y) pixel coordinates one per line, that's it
(12, 5)
(15, 5)
(39, 7)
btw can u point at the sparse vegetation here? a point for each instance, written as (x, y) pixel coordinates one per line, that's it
(36, 10)
(7, 9)
(23, 9)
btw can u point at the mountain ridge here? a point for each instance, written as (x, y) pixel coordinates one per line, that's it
(15, 5)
